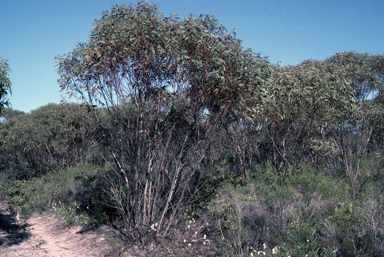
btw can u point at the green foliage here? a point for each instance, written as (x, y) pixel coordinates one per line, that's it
(308, 212)
(77, 194)
(360, 132)
(309, 179)
(364, 70)
(213, 182)
(355, 228)
(320, 87)
(310, 111)
(299, 108)
(368, 181)
(197, 50)
(230, 208)
(5, 83)
(73, 216)
(305, 179)
(303, 240)
(50, 137)
(9, 113)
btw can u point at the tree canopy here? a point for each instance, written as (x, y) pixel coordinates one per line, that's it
(139, 51)
(5, 82)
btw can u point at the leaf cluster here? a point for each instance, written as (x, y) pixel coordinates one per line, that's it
(5, 82)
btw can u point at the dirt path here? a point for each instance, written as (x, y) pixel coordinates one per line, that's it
(42, 235)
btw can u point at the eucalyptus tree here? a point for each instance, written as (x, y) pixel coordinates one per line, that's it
(365, 71)
(16, 128)
(66, 133)
(51, 137)
(359, 136)
(298, 109)
(320, 110)
(5, 82)
(167, 86)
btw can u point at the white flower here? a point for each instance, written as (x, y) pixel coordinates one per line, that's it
(274, 250)
(196, 233)
(264, 246)
(189, 226)
(205, 237)
(185, 241)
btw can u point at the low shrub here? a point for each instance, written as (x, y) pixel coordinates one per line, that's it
(77, 194)
(306, 213)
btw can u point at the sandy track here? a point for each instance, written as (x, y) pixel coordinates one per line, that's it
(43, 235)
(47, 237)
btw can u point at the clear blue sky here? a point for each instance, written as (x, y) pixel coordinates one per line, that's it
(34, 32)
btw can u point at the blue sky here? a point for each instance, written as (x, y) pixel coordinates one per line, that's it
(34, 32)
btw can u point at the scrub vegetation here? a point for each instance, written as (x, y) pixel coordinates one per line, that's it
(182, 138)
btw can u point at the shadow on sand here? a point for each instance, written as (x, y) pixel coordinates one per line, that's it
(11, 232)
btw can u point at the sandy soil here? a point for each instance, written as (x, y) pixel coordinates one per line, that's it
(43, 235)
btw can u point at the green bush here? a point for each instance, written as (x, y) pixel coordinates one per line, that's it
(49, 138)
(303, 240)
(231, 209)
(73, 216)
(356, 228)
(77, 194)
(307, 212)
